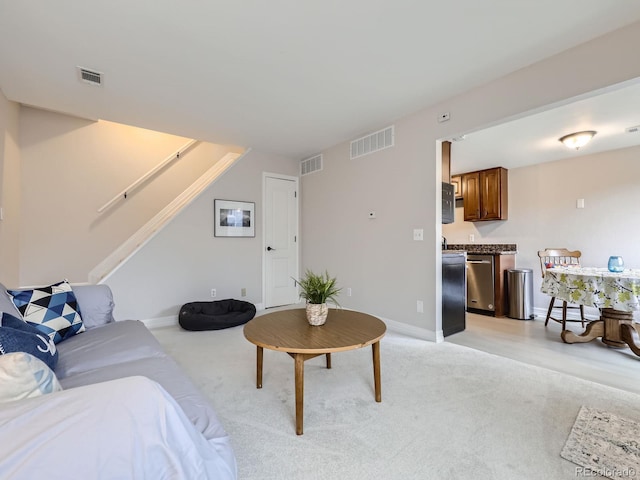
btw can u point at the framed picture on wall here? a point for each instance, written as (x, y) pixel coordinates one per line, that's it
(234, 219)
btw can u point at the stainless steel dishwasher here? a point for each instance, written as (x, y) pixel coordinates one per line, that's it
(480, 284)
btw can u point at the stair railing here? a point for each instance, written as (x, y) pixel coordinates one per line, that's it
(125, 193)
(126, 250)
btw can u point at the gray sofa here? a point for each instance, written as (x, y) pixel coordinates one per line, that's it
(127, 410)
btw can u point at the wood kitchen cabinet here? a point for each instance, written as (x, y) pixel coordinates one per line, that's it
(456, 181)
(485, 195)
(446, 162)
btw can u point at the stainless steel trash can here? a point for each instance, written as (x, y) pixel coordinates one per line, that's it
(520, 292)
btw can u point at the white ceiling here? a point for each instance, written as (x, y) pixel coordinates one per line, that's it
(535, 138)
(285, 76)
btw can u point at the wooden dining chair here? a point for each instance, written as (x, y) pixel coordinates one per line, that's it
(560, 257)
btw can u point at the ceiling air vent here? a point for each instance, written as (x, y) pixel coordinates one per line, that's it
(311, 165)
(90, 76)
(634, 129)
(372, 143)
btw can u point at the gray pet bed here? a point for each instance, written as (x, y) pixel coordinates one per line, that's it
(215, 315)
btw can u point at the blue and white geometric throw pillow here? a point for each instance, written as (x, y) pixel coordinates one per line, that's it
(18, 336)
(53, 310)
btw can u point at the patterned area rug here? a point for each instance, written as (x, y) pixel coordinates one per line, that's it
(604, 443)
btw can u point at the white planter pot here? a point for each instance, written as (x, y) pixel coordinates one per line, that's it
(317, 313)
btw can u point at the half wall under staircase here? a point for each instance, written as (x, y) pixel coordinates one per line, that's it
(101, 272)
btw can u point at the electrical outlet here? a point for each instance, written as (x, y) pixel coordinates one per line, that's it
(418, 234)
(420, 306)
(472, 238)
(349, 292)
(213, 293)
(243, 292)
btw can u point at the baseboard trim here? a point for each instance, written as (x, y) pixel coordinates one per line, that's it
(172, 320)
(413, 331)
(393, 325)
(160, 322)
(590, 314)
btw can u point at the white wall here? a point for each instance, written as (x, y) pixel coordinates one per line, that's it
(543, 213)
(9, 193)
(184, 261)
(71, 167)
(387, 271)
(377, 258)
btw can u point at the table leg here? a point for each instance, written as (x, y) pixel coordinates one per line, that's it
(376, 370)
(328, 360)
(626, 332)
(259, 367)
(613, 322)
(594, 330)
(299, 381)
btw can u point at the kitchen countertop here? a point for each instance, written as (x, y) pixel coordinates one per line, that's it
(483, 248)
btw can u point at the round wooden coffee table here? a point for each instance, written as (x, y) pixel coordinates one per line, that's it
(288, 331)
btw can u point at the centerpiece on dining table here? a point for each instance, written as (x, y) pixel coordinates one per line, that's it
(616, 264)
(317, 290)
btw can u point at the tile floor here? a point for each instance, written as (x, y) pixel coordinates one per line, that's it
(533, 343)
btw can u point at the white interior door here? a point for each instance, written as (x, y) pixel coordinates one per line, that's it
(280, 240)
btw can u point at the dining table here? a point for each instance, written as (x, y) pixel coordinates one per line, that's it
(615, 294)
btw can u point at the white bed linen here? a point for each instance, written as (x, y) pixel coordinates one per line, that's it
(128, 428)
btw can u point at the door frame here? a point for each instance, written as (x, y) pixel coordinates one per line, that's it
(296, 180)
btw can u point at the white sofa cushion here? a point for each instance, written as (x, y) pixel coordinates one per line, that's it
(24, 376)
(96, 304)
(6, 304)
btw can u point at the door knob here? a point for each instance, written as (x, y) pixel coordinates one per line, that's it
(269, 249)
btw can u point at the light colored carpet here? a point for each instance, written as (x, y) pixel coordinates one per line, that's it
(447, 412)
(605, 443)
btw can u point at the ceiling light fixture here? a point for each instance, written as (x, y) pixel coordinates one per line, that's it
(578, 139)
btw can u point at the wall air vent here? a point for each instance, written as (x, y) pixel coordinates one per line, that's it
(634, 129)
(372, 143)
(311, 165)
(90, 76)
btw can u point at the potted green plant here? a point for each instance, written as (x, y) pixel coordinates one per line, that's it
(317, 290)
